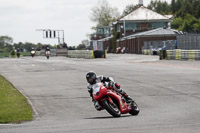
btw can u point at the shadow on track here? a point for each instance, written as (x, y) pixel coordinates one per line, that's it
(109, 117)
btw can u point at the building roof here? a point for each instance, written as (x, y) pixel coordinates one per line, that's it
(144, 14)
(150, 33)
(105, 39)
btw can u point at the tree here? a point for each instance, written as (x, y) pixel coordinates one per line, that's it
(177, 23)
(197, 26)
(28, 46)
(173, 6)
(189, 23)
(129, 9)
(85, 42)
(114, 41)
(19, 45)
(71, 48)
(5, 41)
(39, 46)
(103, 14)
(81, 47)
(160, 7)
(197, 8)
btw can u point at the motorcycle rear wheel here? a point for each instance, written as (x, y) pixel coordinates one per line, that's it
(112, 108)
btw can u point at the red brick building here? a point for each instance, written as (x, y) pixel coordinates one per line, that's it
(137, 27)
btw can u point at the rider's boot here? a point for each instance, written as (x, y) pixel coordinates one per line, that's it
(123, 93)
(127, 97)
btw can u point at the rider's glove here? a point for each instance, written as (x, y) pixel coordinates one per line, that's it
(111, 83)
(117, 85)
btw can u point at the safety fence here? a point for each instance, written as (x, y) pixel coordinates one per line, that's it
(188, 41)
(179, 54)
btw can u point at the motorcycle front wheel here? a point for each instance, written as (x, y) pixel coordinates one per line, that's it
(135, 110)
(111, 108)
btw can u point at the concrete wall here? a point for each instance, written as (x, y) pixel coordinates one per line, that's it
(61, 52)
(55, 52)
(88, 54)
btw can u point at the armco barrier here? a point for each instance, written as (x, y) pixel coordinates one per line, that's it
(88, 54)
(179, 54)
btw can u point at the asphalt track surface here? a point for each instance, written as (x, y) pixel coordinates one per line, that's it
(167, 92)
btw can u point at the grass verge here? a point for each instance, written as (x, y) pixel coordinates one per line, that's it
(14, 107)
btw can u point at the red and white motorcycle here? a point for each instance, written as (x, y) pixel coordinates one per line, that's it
(112, 102)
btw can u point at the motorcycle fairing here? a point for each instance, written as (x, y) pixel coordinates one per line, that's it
(99, 92)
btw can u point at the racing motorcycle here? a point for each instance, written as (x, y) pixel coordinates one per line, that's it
(47, 53)
(32, 52)
(113, 102)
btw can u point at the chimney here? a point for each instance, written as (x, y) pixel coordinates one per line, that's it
(140, 2)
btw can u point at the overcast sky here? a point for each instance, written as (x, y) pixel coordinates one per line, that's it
(19, 19)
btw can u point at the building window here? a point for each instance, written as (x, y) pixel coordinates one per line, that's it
(130, 26)
(138, 26)
(100, 31)
(150, 26)
(118, 27)
(107, 31)
(156, 25)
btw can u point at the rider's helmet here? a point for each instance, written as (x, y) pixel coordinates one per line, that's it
(91, 77)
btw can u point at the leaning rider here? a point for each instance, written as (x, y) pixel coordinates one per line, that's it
(93, 79)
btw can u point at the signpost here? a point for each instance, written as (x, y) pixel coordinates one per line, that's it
(53, 34)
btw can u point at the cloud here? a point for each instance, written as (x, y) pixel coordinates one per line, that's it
(21, 18)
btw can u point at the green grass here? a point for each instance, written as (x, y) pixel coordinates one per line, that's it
(2, 55)
(14, 107)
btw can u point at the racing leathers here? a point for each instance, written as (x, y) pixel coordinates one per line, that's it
(116, 87)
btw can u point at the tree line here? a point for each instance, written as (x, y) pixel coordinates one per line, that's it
(7, 45)
(186, 13)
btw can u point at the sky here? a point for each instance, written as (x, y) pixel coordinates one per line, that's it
(20, 19)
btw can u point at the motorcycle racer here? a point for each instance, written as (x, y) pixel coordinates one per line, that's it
(92, 79)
